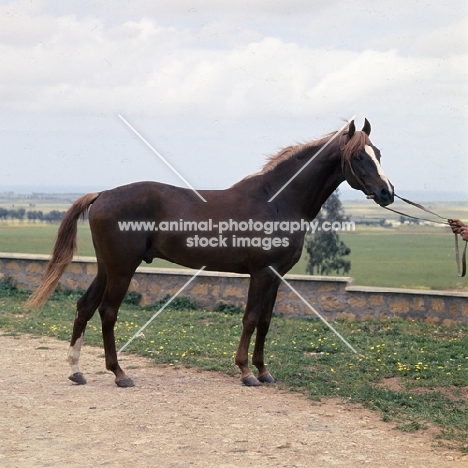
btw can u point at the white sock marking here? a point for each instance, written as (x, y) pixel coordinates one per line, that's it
(74, 355)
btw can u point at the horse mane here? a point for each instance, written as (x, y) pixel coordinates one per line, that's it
(286, 154)
(353, 146)
(292, 151)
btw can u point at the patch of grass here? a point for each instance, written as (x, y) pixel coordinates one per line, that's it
(228, 308)
(62, 293)
(8, 288)
(429, 363)
(179, 303)
(132, 298)
(413, 426)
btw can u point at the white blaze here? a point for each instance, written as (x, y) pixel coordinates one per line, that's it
(370, 152)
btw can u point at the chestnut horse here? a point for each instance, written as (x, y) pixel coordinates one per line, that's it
(291, 188)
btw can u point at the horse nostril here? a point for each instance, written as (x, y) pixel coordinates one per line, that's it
(386, 195)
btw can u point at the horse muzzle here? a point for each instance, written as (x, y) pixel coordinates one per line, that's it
(382, 197)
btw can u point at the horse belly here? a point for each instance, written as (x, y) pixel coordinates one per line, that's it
(198, 249)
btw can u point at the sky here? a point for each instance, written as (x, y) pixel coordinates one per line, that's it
(215, 86)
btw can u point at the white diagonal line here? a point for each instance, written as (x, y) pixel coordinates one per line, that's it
(311, 159)
(313, 310)
(161, 309)
(159, 155)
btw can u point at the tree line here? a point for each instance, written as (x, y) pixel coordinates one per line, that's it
(54, 216)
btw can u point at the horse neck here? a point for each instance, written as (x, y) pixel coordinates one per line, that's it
(309, 190)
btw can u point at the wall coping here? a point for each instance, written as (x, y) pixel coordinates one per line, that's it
(425, 292)
(225, 274)
(22, 256)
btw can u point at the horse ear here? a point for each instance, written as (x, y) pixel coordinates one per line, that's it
(351, 129)
(367, 128)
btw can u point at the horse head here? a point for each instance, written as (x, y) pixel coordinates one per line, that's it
(360, 161)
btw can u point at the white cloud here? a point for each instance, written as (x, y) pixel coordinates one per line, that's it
(68, 63)
(444, 41)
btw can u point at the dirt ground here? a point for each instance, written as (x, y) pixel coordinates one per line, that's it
(181, 418)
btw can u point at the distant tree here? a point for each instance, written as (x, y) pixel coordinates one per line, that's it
(54, 216)
(3, 214)
(17, 214)
(20, 213)
(325, 250)
(34, 215)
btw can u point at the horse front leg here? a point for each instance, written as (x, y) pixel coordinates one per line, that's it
(263, 326)
(260, 289)
(242, 354)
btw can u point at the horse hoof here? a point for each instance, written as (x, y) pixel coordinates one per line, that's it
(77, 378)
(125, 382)
(266, 378)
(251, 381)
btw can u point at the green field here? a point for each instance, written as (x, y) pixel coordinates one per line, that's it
(408, 256)
(39, 238)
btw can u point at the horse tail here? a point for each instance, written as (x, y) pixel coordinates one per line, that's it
(64, 248)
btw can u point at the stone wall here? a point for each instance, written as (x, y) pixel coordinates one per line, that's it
(333, 297)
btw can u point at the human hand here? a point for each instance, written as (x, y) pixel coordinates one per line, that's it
(464, 233)
(457, 226)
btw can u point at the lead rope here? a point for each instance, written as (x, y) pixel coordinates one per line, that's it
(460, 268)
(421, 207)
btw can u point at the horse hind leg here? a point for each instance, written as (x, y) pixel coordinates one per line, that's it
(85, 309)
(108, 310)
(73, 358)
